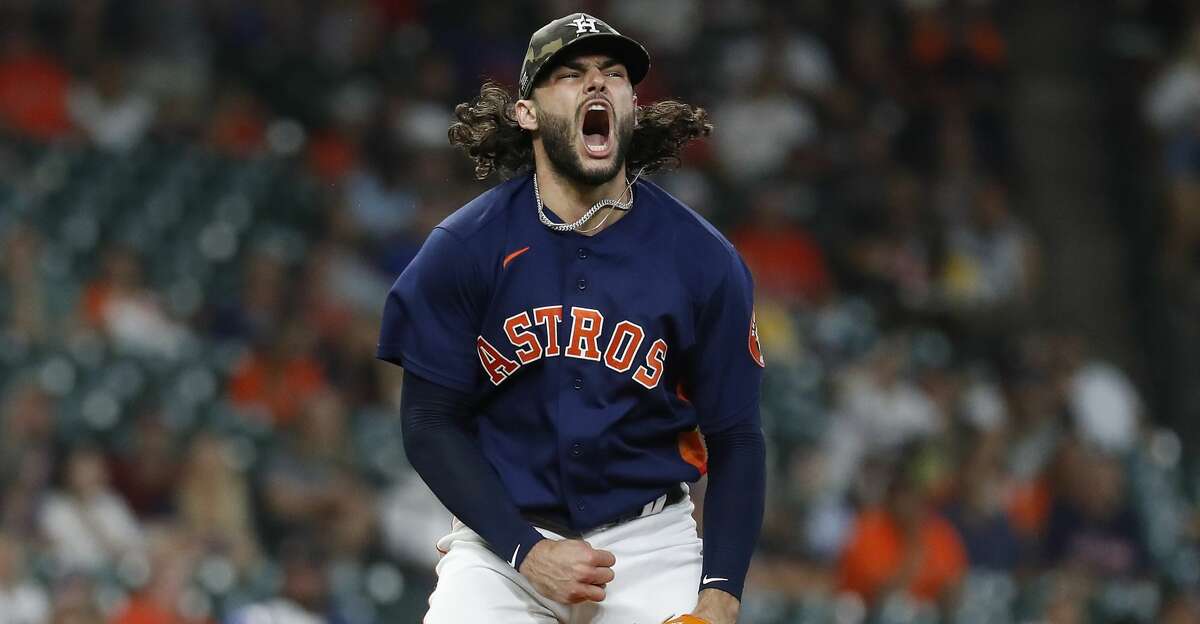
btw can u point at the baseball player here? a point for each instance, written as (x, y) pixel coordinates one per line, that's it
(567, 338)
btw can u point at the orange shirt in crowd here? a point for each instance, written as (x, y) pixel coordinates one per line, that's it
(331, 156)
(142, 610)
(237, 127)
(282, 389)
(1029, 507)
(785, 262)
(95, 298)
(33, 96)
(876, 549)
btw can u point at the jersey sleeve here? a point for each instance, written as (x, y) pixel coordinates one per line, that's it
(726, 364)
(432, 314)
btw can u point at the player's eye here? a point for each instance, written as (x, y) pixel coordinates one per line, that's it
(570, 75)
(616, 74)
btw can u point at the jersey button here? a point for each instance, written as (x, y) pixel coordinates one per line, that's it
(576, 450)
(582, 284)
(579, 383)
(580, 507)
(583, 253)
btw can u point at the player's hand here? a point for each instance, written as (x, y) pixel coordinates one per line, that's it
(568, 571)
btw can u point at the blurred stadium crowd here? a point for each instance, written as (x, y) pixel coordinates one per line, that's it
(203, 204)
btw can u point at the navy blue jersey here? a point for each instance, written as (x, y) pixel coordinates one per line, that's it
(594, 362)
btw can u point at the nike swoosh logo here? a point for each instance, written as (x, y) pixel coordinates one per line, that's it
(513, 563)
(512, 256)
(712, 579)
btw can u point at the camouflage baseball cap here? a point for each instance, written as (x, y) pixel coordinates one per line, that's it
(551, 41)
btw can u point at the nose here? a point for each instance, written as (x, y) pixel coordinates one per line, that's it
(595, 81)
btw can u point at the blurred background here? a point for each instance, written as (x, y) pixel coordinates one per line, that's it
(974, 228)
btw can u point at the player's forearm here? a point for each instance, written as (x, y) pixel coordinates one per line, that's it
(455, 470)
(733, 506)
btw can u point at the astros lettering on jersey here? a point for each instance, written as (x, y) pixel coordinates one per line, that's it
(584, 343)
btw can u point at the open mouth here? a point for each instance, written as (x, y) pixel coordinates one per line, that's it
(597, 129)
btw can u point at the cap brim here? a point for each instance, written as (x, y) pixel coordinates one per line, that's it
(631, 53)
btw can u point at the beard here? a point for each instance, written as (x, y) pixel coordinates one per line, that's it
(559, 135)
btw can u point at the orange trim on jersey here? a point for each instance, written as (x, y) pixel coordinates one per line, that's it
(754, 344)
(679, 393)
(512, 256)
(692, 450)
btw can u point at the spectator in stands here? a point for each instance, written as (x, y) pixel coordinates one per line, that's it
(145, 474)
(238, 126)
(1102, 401)
(33, 83)
(305, 596)
(1035, 431)
(878, 409)
(359, 378)
(86, 524)
(378, 198)
(1093, 527)
(311, 484)
(213, 500)
(410, 519)
(260, 303)
(761, 127)
(118, 302)
(979, 510)
(27, 319)
(339, 285)
(26, 456)
(955, 39)
(913, 240)
(172, 558)
(992, 259)
(1066, 600)
(417, 117)
(22, 600)
(1173, 108)
(114, 115)
(1179, 607)
(27, 415)
(904, 546)
(786, 261)
(806, 62)
(280, 376)
(75, 601)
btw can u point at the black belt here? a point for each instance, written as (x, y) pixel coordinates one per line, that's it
(558, 522)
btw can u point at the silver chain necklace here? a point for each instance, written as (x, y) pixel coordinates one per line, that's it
(574, 227)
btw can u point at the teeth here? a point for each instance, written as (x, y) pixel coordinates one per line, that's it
(598, 107)
(596, 148)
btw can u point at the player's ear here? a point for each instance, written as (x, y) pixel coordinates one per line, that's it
(526, 113)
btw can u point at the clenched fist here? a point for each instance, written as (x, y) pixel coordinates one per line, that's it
(568, 571)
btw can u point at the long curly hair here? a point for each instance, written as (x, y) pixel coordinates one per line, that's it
(486, 130)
